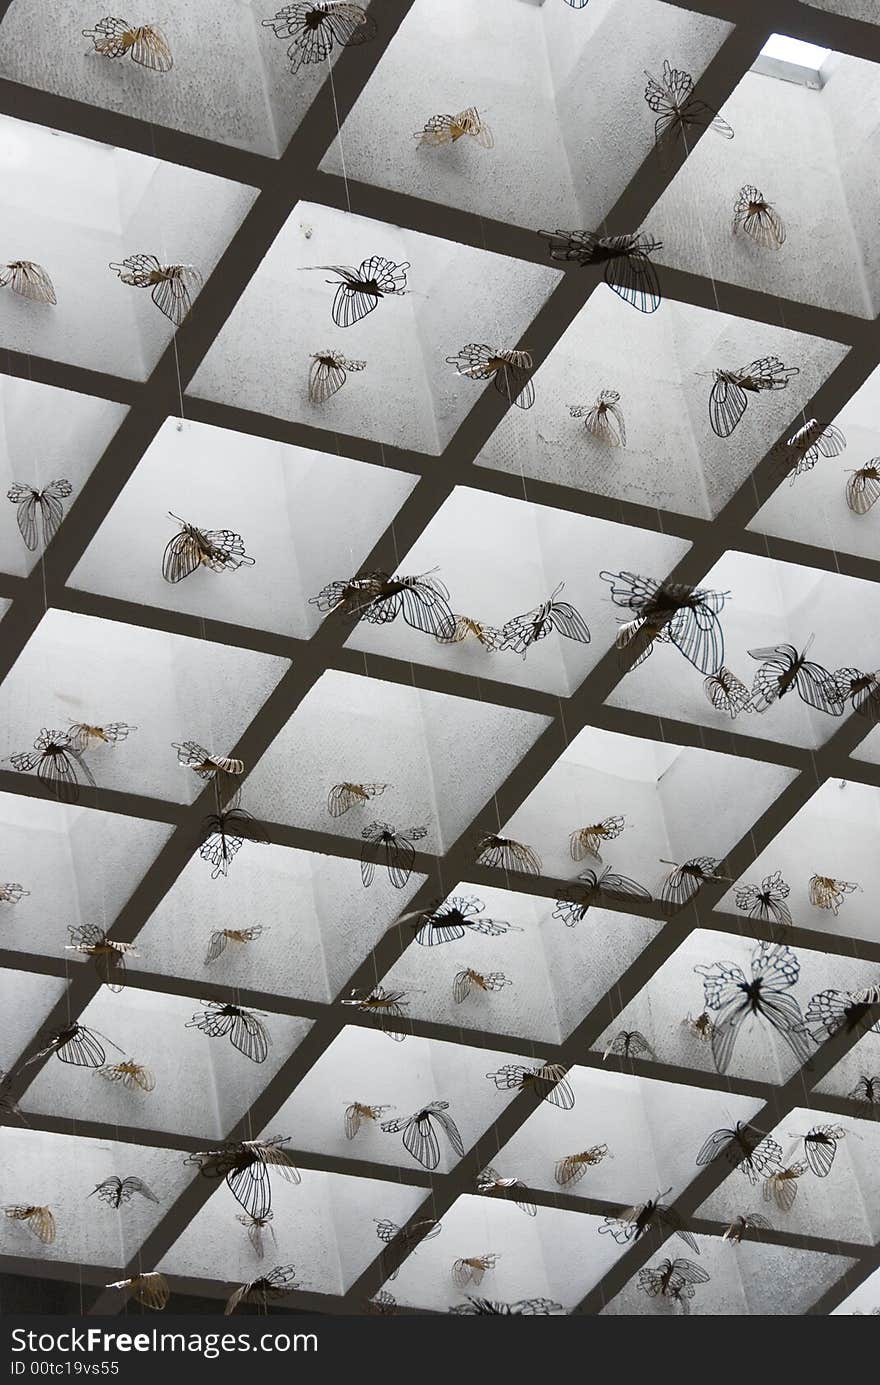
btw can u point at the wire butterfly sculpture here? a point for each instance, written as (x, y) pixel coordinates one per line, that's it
(767, 901)
(385, 1006)
(244, 1028)
(28, 280)
(489, 636)
(491, 1184)
(783, 668)
(344, 796)
(222, 937)
(828, 893)
(221, 770)
(587, 840)
(672, 100)
(131, 1075)
(509, 371)
(727, 693)
(256, 1228)
(867, 1089)
(473, 1269)
(673, 1279)
(39, 1221)
(219, 550)
(356, 1113)
(359, 291)
(520, 633)
(84, 737)
(572, 1167)
(412, 1236)
(804, 448)
(604, 419)
(831, 1011)
(754, 216)
(378, 598)
(245, 1166)
(77, 1045)
(58, 764)
(687, 616)
(502, 853)
(597, 886)
(264, 1290)
(328, 373)
(627, 260)
(172, 286)
(753, 1152)
(746, 1221)
(781, 1186)
(491, 1307)
(863, 487)
(12, 893)
(456, 916)
(548, 1080)
(221, 841)
(395, 849)
(702, 1028)
(440, 130)
(820, 1146)
(467, 981)
(764, 994)
(628, 1043)
(420, 1133)
(684, 882)
(862, 689)
(145, 44)
(115, 1191)
(107, 954)
(316, 28)
(41, 507)
(729, 395)
(150, 1289)
(635, 1222)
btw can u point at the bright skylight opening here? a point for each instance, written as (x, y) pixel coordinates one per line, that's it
(793, 60)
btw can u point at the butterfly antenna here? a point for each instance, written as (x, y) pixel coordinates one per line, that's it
(808, 644)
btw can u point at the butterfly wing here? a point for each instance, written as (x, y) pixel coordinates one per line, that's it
(28, 501)
(863, 488)
(82, 1049)
(151, 49)
(182, 556)
(817, 687)
(251, 1188)
(173, 295)
(425, 608)
(727, 404)
(326, 377)
(420, 1139)
(400, 855)
(132, 1185)
(569, 622)
(250, 1036)
(634, 279)
(820, 1147)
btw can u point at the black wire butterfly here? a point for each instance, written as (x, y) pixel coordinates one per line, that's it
(44, 504)
(491, 1184)
(395, 848)
(867, 1089)
(627, 260)
(752, 1151)
(261, 1292)
(729, 395)
(687, 615)
(107, 954)
(672, 100)
(420, 1135)
(456, 916)
(221, 840)
(673, 1279)
(255, 1227)
(758, 218)
(385, 1006)
(635, 1222)
(509, 371)
(58, 764)
(77, 1045)
(547, 1079)
(684, 882)
(803, 448)
(388, 1231)
(114, 1191)
(573, 904)
(782, 669)
(11, 892)
(219, 550)
(629, 1043)
(774, 970)
(726, 692)
(378, 598)
(245, 1029)
(520, 633)
(820, 1147)
(317, 26)
(862, 689)
(863, 488)
(173, 285)
(328, 373)
(491, 1307)
(831, 1011)
(246, 1165)
(746, 1221)
(502, 853)
(767, 902)
(359, 290)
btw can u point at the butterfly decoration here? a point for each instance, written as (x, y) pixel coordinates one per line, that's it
(687, 615)
(863, 487)
(635, 1222)
(41, 506)
(820, 1146)
(38, 1220)
(828, 893)
(502, 853)
(420, 1133)
(509, 371)
(378, 598)
(173, 286)
(133, 1076)
(245, 1029)
(383, 1304)
(547, 1079)
(344, 796)
(256, 1228)
(754, 216)
(683, 883)
(490, 1307)
(572, 1167)
(764, 994)
(597, 885)
(359, 291)
(520, 633)
(491, 1184)
(207, 766)
(587, 840)
(729, 395)
(832, 1011)
(604, 419)
(28, 280)
(114, 1191)
(746, 1221)
(77, 1045)
(222, 937)
(753, 1152)
(12, 893)
(328, 373)
(59, 765)
(412, 1236)
(317, 27)
(150, 1289)
(447, 129)
(145, 44)
(672, 100)
(386, 1006)
(473, 1269)
(781, 1187)
(867, 1089)
(395, 849)
(219, 550)
(107, 954)
(627, 260)
(673, 1279)
(221, 841)
(767, 901)
(85, 737)
(577, 4)
(245, 1165)
(467, 981)
(782, 669)
(489, 636)
(727, 693)
(264, 1290)
(804, 448)
(862, 689)
(701, 1028)
(456, 916)
(356, 1112)
(629, 1043)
